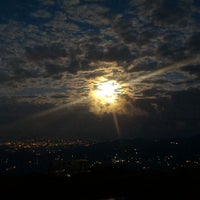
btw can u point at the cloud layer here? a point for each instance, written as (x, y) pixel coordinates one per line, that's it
(53, 51)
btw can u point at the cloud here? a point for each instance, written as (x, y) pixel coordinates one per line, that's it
(125, 29)
(4, 77)
(118, 52)
(194, 42)
(39, 52)
(41, 14)
(171, 51)
(13, 110)
(48, 2)
(165, 113)
(193, 69)
(169, 12)
(53, 69)
(143, 64)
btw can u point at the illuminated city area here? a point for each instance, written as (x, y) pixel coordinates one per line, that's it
(65, 157)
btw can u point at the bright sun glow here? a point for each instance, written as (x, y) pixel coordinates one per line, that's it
(107, 91)
(107, 96)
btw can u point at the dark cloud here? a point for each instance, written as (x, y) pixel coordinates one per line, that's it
(42, 14)
(94, 52)
(172, 12)
(186, 108)
(21, 73)
(154, 93)
(79, 60)
(193, 69)
(4, 77)
(145, 36)
(38, 52)
(165, 113)
(130, 33)
(11, 110)
(53, 69)
(19, 70)
(172, 51)
(194, 42)
(118, 53)
(125, 29)
(144, 64)
(61, 124)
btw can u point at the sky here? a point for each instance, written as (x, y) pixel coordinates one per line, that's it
(54, 55)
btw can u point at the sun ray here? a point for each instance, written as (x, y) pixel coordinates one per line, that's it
(116, 124)
(168, 68)
(47, 112)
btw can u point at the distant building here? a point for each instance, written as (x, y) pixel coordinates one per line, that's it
(68, 167)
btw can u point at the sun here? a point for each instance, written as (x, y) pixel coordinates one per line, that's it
(107, 96)
(107, 91)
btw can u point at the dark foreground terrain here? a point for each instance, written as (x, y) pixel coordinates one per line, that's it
(106, 183)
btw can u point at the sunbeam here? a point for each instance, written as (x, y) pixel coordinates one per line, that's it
(49, 111)
(116, 124)
(166, 69)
